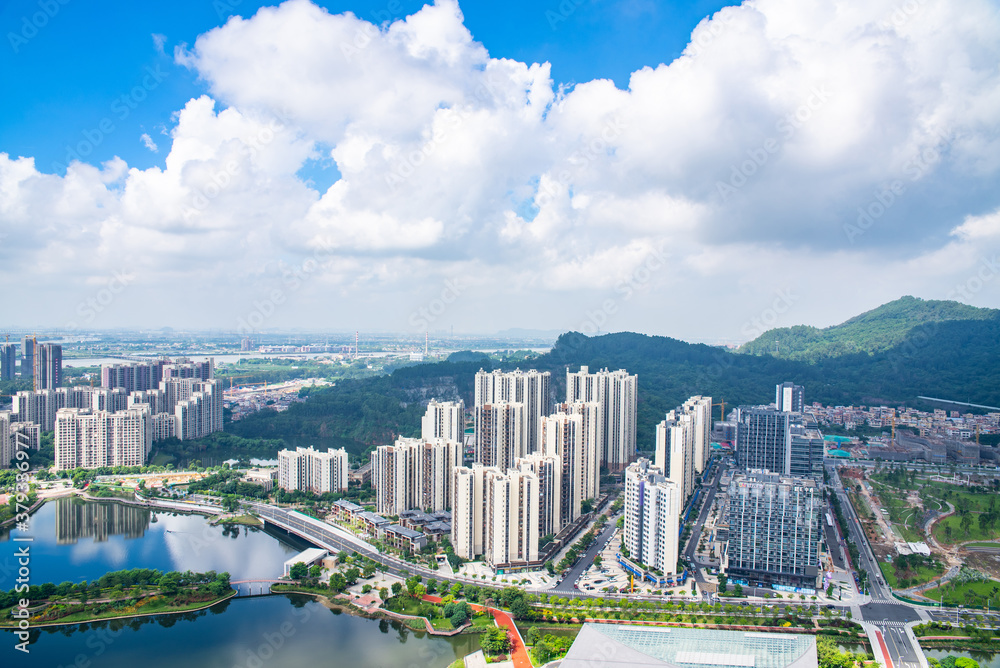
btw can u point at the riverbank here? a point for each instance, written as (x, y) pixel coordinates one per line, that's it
(75, 618)
(240, 520)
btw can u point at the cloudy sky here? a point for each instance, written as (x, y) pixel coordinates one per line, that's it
(699, 171)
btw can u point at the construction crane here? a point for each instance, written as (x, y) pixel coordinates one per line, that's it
(722, 414)
(232, 378)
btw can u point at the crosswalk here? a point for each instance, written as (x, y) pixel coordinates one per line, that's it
(895, 625)
(887, 601)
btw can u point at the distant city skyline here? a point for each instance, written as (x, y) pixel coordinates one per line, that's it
(699, 171)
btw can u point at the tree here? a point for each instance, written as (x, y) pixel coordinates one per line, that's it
(338, 582)
(352, 575)
(495, 641)
(315, 571)
(396, 588)
(383, 593)
(298, 570)
(723, 582)
(519, 608)
(738, 589)
(533, 636)
(169, 584)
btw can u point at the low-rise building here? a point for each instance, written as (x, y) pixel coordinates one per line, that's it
(402, 538)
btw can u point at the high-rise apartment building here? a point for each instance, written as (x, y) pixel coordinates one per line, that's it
(512, 529)
(763, 439)
(651, 532)
(183, 368)
(806, 451)
(28, 357)
(531, 389)
(774, 530)
(48, 366)
(549, 470)
(701, 408)
(496, 515)
(468, 512)
(443, 419)
(675, 451)
(85, 438)
(312, 470)
(789, 397)
(16, 436)
(8, 361)
(562, 435)
(414, 473)
(615, 394)
(499, 434)
(200, 412)
(134, 376)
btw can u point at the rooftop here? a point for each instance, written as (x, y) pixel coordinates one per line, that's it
(621, 646)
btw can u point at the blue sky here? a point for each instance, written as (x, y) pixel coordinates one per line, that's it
(88, 62)
(697, 170)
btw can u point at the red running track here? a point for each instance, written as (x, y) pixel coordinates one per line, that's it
(885, 650)
(518, 653)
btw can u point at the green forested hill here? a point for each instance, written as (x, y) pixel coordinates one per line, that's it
(874, 331)
(948, 358)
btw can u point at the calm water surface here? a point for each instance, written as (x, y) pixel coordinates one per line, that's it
(77, 540)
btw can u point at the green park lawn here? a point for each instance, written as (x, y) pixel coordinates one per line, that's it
(950, 530)
(915, 577)
(976, 594)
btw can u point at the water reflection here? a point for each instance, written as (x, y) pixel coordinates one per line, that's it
(76, 519)
(77, 540)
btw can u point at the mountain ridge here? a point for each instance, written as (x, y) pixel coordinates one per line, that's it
(870, 332)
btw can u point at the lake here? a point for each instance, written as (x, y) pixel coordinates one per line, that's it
(79, 540)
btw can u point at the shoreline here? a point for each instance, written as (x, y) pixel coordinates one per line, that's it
(378, 613)
(205, 606)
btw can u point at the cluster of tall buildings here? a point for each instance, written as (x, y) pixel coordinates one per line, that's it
(656, 492)
(14, 436)
(87, 438)
(40, 361)
(311, 470)
(415, 474)
(774, 503)
(535, 462)
(684, 442)
(116, 424)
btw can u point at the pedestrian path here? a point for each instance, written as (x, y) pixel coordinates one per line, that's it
(518, 652)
